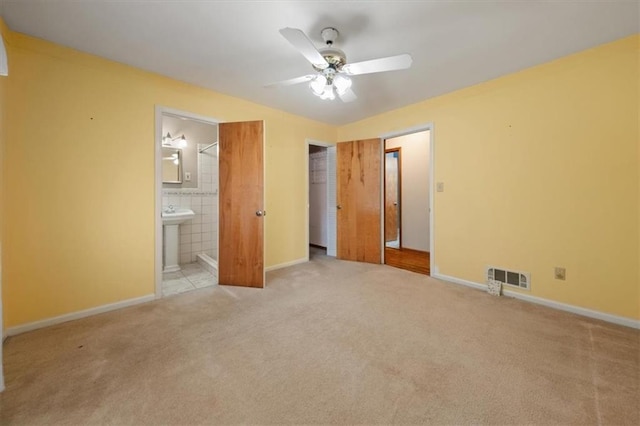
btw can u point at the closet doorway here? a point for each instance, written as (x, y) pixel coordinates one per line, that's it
(321, 199)
(407, 165)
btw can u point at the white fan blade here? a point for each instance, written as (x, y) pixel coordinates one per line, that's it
(390, 63)
(301, 42)
(348, 96)
(291, 82)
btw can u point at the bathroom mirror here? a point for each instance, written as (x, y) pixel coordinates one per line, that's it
(171, 165)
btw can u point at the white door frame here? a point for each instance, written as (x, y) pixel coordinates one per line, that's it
(4, 71)
(432, 186)
(329, 202)
(159, 112)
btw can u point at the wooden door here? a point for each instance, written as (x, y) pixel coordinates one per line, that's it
(358, 194)
(392, 194)
(241, 198)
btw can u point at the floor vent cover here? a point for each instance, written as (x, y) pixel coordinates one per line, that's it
(513, 278)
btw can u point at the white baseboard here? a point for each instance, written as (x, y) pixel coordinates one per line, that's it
(12, 331)
(286, 264)
(459, 281)
(615, 319)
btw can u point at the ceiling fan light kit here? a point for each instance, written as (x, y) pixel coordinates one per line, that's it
(325, 85)
(318, 85)
(330, 64)
(342, 83)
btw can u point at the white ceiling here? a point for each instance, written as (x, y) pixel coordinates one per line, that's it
(235, 47)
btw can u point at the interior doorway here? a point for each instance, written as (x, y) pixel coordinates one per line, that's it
(224, 193)
(187, 185)
(392, 198)
(317, 200)
(321, 196)
(407, 199)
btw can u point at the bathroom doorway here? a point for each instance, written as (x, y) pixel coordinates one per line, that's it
(187, 188)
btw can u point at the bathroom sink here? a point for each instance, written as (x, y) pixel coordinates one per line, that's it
(177, 216)
(171, 219)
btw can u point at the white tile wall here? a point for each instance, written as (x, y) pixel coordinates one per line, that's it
(199, 235)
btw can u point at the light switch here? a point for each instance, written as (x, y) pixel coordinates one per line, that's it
(440, 186)
(187, 176)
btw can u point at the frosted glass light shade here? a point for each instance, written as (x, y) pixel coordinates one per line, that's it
(318, 84)
(342, 83)
(328, 92)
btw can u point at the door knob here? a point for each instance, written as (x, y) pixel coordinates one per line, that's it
(259, 213)
(338, 206)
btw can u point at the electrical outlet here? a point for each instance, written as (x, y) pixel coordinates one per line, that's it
(440, 187)
(560, 273)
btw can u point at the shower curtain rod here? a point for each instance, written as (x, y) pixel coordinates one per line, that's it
(207, 147)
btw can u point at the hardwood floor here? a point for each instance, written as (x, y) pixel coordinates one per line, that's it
(409, 259)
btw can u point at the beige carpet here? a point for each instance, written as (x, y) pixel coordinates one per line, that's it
(326, 342)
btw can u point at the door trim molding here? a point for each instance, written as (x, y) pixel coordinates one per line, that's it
(415, 129)
(161, 110)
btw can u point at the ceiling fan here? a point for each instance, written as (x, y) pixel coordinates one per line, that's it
(330, 63)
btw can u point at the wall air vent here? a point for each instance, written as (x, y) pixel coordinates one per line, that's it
(511, 278)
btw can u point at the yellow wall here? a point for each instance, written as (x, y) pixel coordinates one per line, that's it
(81, 235)
(540, 170)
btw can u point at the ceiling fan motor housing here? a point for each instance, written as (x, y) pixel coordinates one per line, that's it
(334, 56)
(329, 35)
